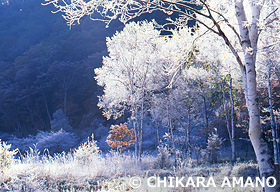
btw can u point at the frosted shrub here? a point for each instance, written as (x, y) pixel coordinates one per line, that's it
(60, 121)
(163, 160)
(6, 155)
(213, 145)
(87, 151)
(56, 142)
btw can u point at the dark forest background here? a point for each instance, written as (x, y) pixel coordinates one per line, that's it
(47, 71)
(42, 62)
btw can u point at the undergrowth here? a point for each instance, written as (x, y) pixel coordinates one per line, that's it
(87, 169)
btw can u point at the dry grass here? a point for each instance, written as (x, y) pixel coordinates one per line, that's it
(86, 169)
(111, 172)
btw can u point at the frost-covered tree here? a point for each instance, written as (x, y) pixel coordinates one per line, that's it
(60, 121)
(238, 23)
(130, 76)
(214, 143)
(127, 74)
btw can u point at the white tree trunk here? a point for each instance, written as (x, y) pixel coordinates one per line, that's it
(249, 42)
(133, 118)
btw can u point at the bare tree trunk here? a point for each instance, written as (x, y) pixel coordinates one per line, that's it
(188, 138)
(206, 118)
(173, 143)
(272, 122)
(277, 133)
(135, 133)
(46, 105)
(233, 155)
(226, 114)
(157, 126)
(170, 127)
(138, 135)
(141, 129)
(228, 123)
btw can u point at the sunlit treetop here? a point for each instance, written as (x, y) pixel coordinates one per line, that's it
(215, 16)
(109, 10)
(128, 72)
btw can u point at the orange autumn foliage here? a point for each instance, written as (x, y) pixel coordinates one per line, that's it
(120, 137)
